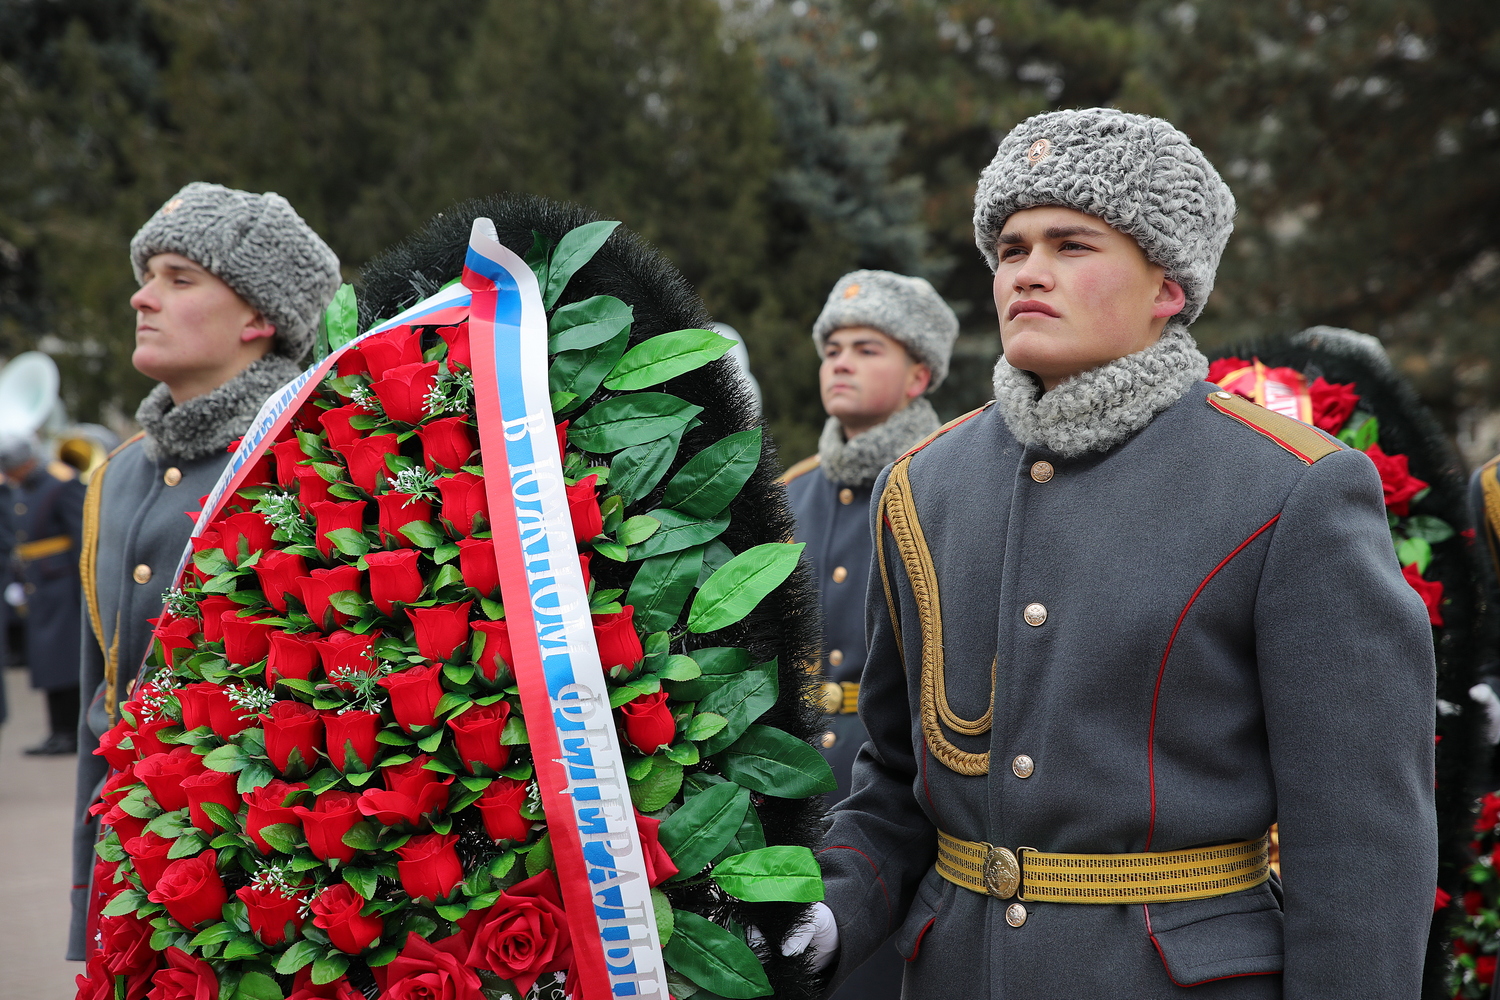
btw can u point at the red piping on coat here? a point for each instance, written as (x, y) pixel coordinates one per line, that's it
(1162, 955)
(916, 949)
(885, 892)
(1162, 670)
(1261, 430)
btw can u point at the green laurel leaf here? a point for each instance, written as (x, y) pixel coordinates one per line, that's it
(700, 828)
(740, 584)
(589, 323)
(574, 250)
(771, 875)
(666, 356)
(714, 477)
(741, 700)
(679, 531)
(661, 586)
(714, 958)
(630, 420)
(774, 762)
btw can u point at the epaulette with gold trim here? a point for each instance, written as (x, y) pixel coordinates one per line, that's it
(802, 468)
(946, 428)
(1305, 442)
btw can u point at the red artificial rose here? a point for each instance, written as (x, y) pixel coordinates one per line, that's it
(184, 978)
(619, 646)
(378, 354)
(476, 561)
(429, 867)
(476, 737)
(97, 982)
(1441, 899)
(252, 527)
(209, 539)
(246, 641)
(294, 737)
(523, 935)
(465, 505)
(398, 510)
(366, 460)
(351, 732)
(648, 722)
(269, 913)
(331, 515)
(1332, 404)
(258, 473)
(117, 787)
(127, 826)
(336, 910)
(1489, 813)
(145, 738)
(346, 652)
(496, 661)
(440, 630)
(126, 943)
(148, 853)
(411, 792)
(1484, 969)
(278, 572)
(210, 786)
(429, 971)
(394, 576)
(1395, 479)
(311, 487)
(202, 703)
(1473, 902)
(562, 438)
(163, 774)
(289, 458)
(333, 814)
(446, 443)
(336, 425)
(583, 566)
(1224, 367)
(457, 339)
(403, 391)
(319, 586)
(1430, 591)
(175, 634)
(191, 890)
(120, 758)
(415, 693)
(500, 808)
(292, 657)
(210, 609)
(659, 864)
(583, 505)
(271, 804)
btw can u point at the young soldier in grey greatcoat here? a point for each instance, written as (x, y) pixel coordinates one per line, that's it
(233, 285)
(885, 340)
(1121, 623)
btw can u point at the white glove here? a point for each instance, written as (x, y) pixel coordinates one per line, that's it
(1485, 695)
(819, 932)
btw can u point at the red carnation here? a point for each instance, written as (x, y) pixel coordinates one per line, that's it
(440, 630)
(289, 458)
(496, 661)
(294, 736)
(336, 425)
(476, 737)
(292, 657)
(659, 864)
(185, 978)
(210, 610)
(246, 641)
(332, 815)
(148, 853)
(465, 505)
(457, 339)
(1396, 480)
(163, 774)
(311, 487)
(446, 443)
(648, 722)
(345, 652)
(318, 588)
(351, 732)
(331, 515)
(1332, 404)
(210, 786)
(1430, 591)
(524, 934)
(175, 634)
(411, 792)
(429, 867)
(500, 808)
(583, 505)
(336, 910)
(394, 577)
(619, 646)
(268, 806)
(252, 527)
(398, 510)
(476, 561)
(403, 391)
(270, 912)
(191, 890)
(278, 572)
(415, 693)
(366, 460)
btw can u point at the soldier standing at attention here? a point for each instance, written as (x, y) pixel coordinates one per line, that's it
(233, 285)
(885, 340)
(1122, 622)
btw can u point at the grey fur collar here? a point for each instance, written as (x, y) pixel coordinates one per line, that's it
(1099, 408)
(206, 424)
(858, 462)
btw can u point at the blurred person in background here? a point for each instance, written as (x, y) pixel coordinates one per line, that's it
(885, 341)
(232, 288)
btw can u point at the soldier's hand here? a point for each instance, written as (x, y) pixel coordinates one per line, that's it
(819, 932)
(1485, 695)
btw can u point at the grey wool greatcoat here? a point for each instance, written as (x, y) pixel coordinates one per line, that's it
(47, 517)
(1228, 643)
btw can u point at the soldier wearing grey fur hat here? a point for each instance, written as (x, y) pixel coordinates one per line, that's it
(1120, 623)
(233, 285)
(885, 341)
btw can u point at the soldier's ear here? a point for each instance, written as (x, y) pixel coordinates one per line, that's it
(256, 328)
(918, 380)
(1170, 299)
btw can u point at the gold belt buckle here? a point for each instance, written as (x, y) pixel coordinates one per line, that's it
(1002, 872)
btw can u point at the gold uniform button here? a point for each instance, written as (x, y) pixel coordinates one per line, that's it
(1023, 766)
(829, 739)
(172, 476)
(1015, 914)
(835, 656)
(846, 496)
(20, 508)
(832, 695)
(1224, 395)
(1041, 471)
(840, 574)
(1034, 614)
(142, 574)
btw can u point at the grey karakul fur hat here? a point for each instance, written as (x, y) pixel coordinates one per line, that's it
(256, 244)
(906, 309)
(1141, 175)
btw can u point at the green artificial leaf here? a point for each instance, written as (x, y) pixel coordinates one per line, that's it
(536, 258)
(1432, 530)
(659, 786)
(186, 846)
(678, 531)
(243, 946)
(445, 553)
(422, 534)
(350, 542)
(580, 372)
(539, 857)
(282, 837)
(220, 815)
(634, 472)
(361, 837)
(580, 325)
(771, 875)
(750, 837)
(774, 762)
(212, 561)
(666, 356)
(215, 934)
(612, 550)
(362, 880)
(226, 759)
(662, 907)
(562, 400)
(685, 754)
(704, 725)
(1415, 550)
(637, 529)
(514, 733)
(169, 824)
(109, 849)
(714, 477)
(257, 985)
(661, 586)
(717, 664)
(714, 556)
(741, 700)
(298, 956)
(1362, 430)
(329, 967)
(631, 690)
(257, 774)
(630, 420)
(679, 668)
(341, 319)
(714, 958)
(349, 602)
(740, 584)
(575, 249)
(128, 901)
(702, 825)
